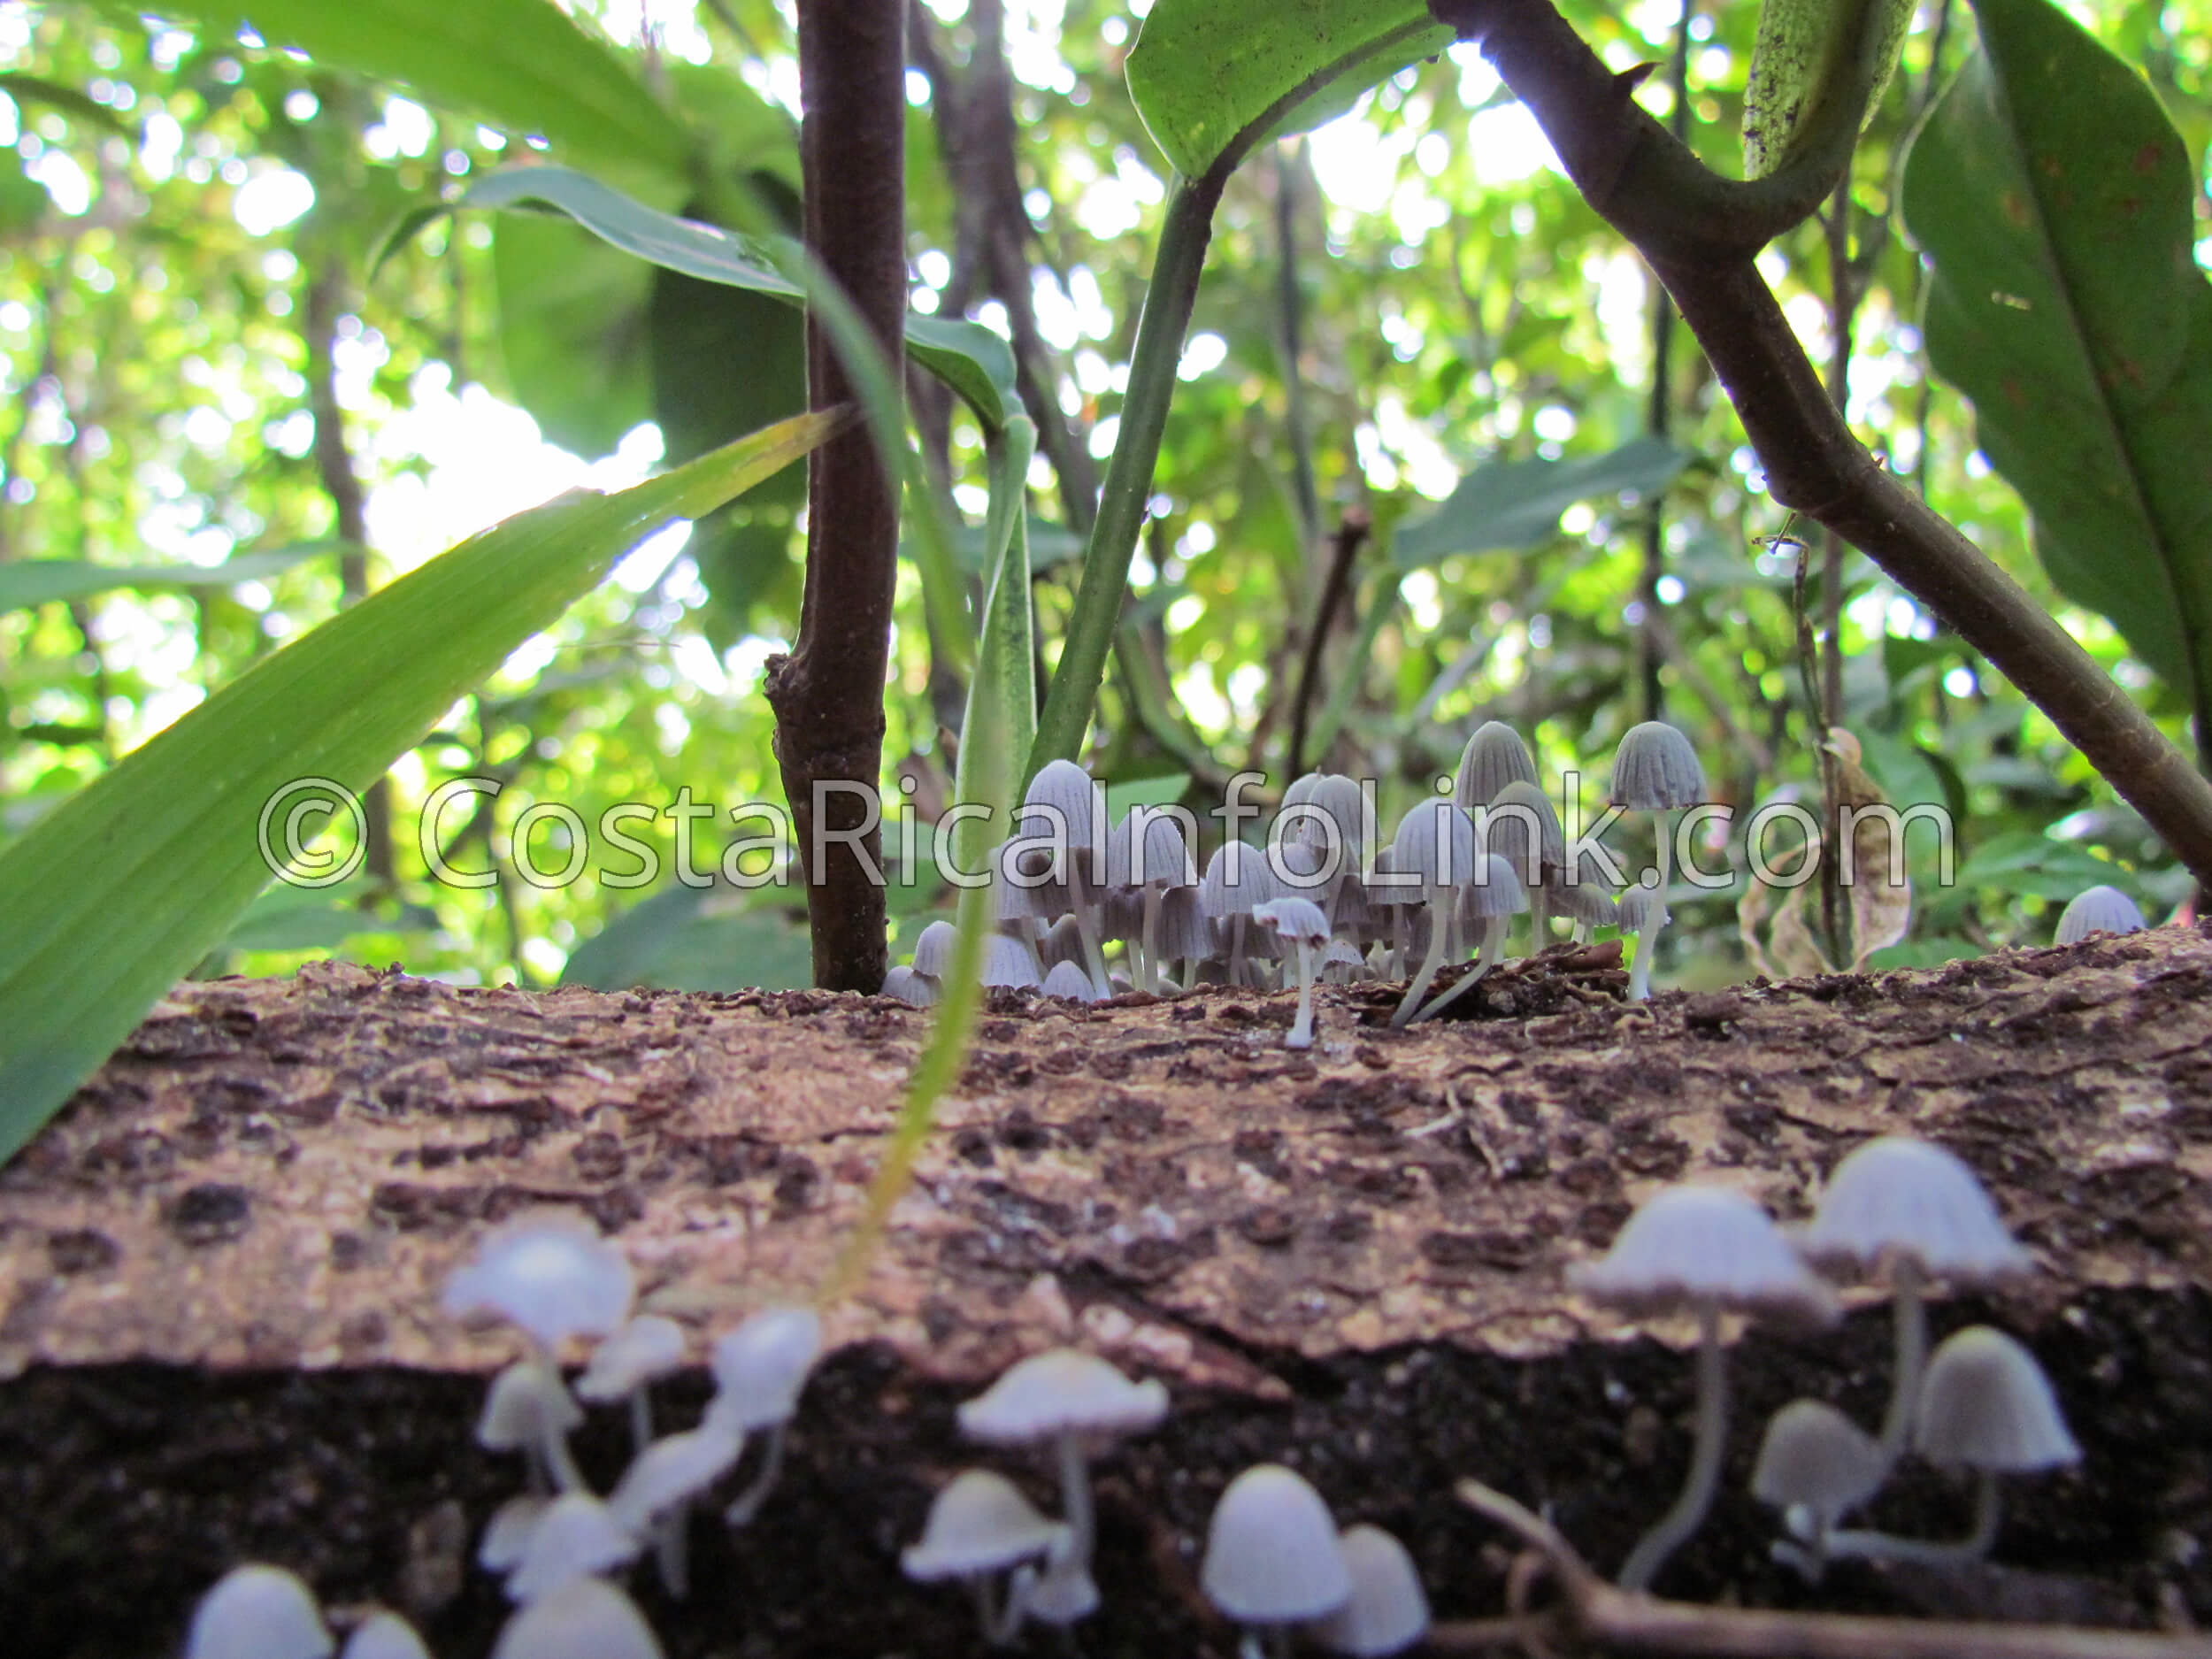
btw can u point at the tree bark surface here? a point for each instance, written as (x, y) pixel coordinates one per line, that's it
(220, 1271)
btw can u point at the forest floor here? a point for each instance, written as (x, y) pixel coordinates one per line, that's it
(220, 1267)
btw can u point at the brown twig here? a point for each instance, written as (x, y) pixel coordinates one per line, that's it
(827, 694)
(1351, 533)
(1813, 462)
(1594, 1612)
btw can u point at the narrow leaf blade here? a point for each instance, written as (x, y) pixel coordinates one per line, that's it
(1511, 506)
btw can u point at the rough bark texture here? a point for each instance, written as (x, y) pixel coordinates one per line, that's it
(829, 693)
(219, 1273)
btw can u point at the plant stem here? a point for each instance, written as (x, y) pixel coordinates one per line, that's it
(1128, 487)
(1351, 531)
(827, 694)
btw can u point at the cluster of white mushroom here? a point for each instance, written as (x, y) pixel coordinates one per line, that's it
(558, 1544)
(1896, 1208)
(1276, 1564)
(1326, 898)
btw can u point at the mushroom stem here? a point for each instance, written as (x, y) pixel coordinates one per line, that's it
(1236, 950)
(748, 1501)
(1150, 978)
(671, 1551)
(1676, 1526)
(1439, 925)
(1086, 929)
(1075, 1500)
(1662, 828)
(552, 1444)
(640, 1419)
(1988, 1514)
(1911, 1314)
(1494, 933)
(1539, 920)
(1001, 1625)
(1640, 971)
(1302, 1032)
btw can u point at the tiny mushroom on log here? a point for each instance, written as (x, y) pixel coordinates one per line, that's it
(2098, 909)
(576, 1537)
(1642, 914)
(1273, 1560)
(1064, 811)
(1300, 924)
(1387, 1611)
(1706, 1251)
(1656, 770)
(529, 1409)
(586, 1618)
(1492, 898)
(653, 1499)
(628, 1363)
(384, 1636)
(759, 1369)
(1434, 850)
(1815, 1465)
(1494, 757)
(257, 1612)
(980, 1526)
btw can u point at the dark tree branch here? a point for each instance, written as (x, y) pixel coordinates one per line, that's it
(1351, 533)
(827, 694)
(1813, 462)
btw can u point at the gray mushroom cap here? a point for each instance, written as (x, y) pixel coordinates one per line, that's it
(2098, 909)
(257, 1612)
(1387, 1611)
(586, 1618)
(761, 1367)
(978, 1523)
(902, 983)
(1494, 890)
(646, 1349)
(384, 1636)
(1070, 983)
(1147, 848)
(526, 1402)
(932, 949)
(1642, 909)
(576, 1537)
(1238, 876)
(1523, 826)
(1183, 930)
(1009, 963)
(1655, 770)
(1898, 1197)
(1271, 1553)
(1061, 1390)
(1494, 757)
(1292, 920)
(1064, 787)
(1815, 1458)
(548, 1272)
(673, 1469)
(1985, 1403)
(1589, 898)
(1435, 843)
(1689, 1246)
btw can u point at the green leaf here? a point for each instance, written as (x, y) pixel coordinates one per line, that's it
(71, 103)
(1511, 506)
(117, 892)
(29, 582)
(1212, 78)
(689, 939)
(1000, 722)
(974, 362)
(2053, 198)
(521, 65)
(1798, 61)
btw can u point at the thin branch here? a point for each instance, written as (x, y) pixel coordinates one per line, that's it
(1813, 462)
(1351, 533)
(1660, 416)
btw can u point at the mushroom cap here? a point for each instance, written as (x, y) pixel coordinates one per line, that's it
(1589, 897)
(646, 1349)
(1063, 942)
(1688, 1246)
(1655, 770)
(1272, 1553)
(916, 990)
(577, 1536)
(1065, 1594)
(548, 1272)
(2098, 909)
(980, 1523)
(1238, 876)
(1522, 824)
(932, 948)
(1008, 962)
(1435, 842)
(1814, 1455)
(507, 1534)
(1901, 1197)
(672, 1470)
(1494, 757)
(1493, 890)
(586, 1618)
(384, 1636)
(1332, 796)
(1183, 930)
(1069, 982)
(1147, 848)
(1029, 878)
(257, 1612)
(1985, 1403)
(1388, 1611)
(1061, 1390)
(1642, 909)
(1082, 803)
(1293, 919)
(760, 1367)
(528, 1403)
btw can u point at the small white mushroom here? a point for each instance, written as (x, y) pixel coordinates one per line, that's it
(507, 1534)
(1010, 963)
(1656, 770)
(1435, 849)
(1984, 1405)
(1704, 1250)
(1387, 1611)
(979, 1526)
(1068, 982)
(902, 983)
(1815, 1465)
(586, 1618)
(1642, 914)
(577, 1536)
(257, 1612)
(2098, 909)
(932, 949)
(1067, 1399)
(1273, 1560)
(1066, 809)
(1300, 924)
(1913, 1210)
(1494, 757)
(384, 1636)
(529, 1409)
(1521, 826)
(759, 1371)
(624, 1366)
(1491, 899)
(550, 1272)
(653, 1498)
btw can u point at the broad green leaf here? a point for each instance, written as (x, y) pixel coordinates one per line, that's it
(47, 582)
(2053, 199)
(974, 362)
(1799, 61)
(1212, 78)
(1510, 506)
(521, 65)
(691, 939)
(116, 893)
